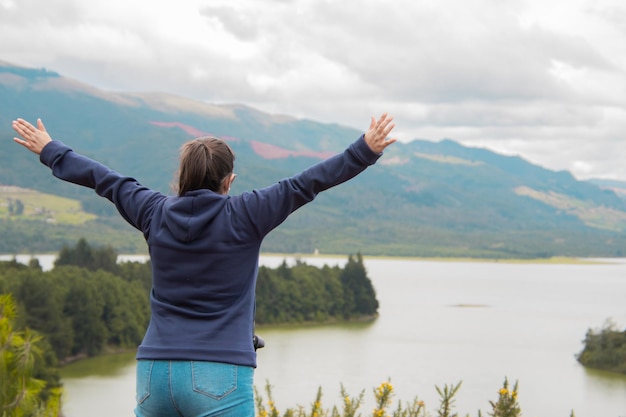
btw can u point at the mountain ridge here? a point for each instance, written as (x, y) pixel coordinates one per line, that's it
(423, 198)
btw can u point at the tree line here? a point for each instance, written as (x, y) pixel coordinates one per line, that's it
(305, 293)
(86, 303)
(89, 301)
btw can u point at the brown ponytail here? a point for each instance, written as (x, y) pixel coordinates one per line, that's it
(204, 164)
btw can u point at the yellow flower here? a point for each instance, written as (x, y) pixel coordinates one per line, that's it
(504, 391)
(384, 388)
(387, 386)
(379, 412)
(420, 403)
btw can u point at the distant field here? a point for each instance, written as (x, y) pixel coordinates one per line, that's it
(25, 204)
(593, 215)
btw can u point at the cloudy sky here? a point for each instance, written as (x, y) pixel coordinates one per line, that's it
(543, 79)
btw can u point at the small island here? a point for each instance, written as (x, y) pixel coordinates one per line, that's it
(605, 349)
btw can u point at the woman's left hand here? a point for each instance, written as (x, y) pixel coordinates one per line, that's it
(34, 138)
(376, 136)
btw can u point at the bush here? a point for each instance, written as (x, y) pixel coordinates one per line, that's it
(506, 405)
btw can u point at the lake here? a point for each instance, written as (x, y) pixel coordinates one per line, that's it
(440, 323)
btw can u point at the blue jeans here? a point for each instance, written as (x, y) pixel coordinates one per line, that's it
(194, 389)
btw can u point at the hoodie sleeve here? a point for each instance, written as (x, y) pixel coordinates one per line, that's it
(133, 201)
(269, 207)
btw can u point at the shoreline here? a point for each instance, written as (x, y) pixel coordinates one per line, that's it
(49, 257)
(112, 350)
(551, 260)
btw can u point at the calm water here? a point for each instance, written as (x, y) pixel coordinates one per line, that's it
(440, 323)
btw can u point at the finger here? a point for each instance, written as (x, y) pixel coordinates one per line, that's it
(21, 142)
(22, 122)
(389, 142)
(25, 134)
(389, 128)
(380, 120)
(384, 121)
(372, 123)
(40, 125)
(27, 125)
(18, 127)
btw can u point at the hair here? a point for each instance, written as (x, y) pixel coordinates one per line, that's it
(205, 163)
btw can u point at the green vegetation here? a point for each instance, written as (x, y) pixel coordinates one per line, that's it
(26, 204)
(39, 236)
(600, 217)
(605, 349)
(29, 383)
(506, 404)
(86, 304)
(33, 221)
(305, 293)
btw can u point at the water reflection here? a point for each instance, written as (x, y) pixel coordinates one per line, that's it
(101, 366)
(606, 381)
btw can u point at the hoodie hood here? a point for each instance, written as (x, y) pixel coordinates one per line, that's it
(187, 217)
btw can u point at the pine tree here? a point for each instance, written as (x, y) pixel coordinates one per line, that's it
(359, 294)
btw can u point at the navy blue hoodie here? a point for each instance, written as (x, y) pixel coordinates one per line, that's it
(204, 249)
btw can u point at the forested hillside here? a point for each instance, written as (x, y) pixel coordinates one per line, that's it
(423, 198)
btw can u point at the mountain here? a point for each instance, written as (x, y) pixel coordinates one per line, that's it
(618, 187)
(423, 198)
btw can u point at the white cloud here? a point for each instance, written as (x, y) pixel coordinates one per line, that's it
(545, 80)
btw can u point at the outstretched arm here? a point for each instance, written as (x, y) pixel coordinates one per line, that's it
(270, 206)
(34, 139)
(134, 201)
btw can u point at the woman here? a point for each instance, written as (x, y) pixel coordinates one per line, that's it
(197, 357)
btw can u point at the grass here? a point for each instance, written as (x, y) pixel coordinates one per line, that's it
(599, 217)
(25, 204)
